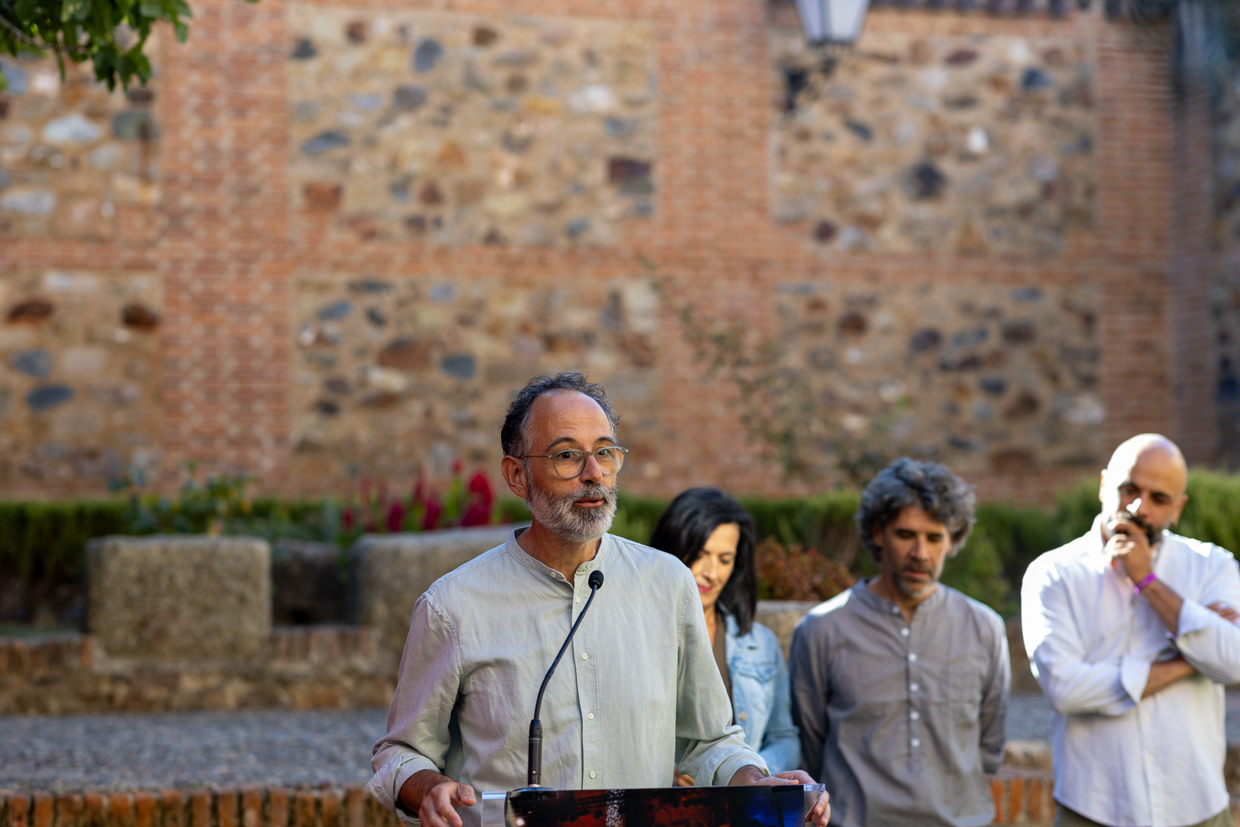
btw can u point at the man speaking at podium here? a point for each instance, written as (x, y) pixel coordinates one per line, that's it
(638, 686)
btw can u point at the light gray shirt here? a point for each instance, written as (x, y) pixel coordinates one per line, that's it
(638, 681)
(900, 720)
(1119, 758)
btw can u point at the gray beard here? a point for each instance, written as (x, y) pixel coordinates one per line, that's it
(562, 518)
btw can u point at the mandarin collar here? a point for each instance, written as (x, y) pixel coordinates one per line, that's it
(536, 565)
(862, 592)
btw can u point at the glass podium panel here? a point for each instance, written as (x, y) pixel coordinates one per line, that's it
(779, 806)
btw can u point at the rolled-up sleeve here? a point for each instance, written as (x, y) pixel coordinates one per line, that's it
(1210, 643)
(428, 682)
(711, 748)
(1057, 653)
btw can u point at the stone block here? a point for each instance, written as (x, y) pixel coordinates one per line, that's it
(179, 598)
(391, 571)
(781, 617)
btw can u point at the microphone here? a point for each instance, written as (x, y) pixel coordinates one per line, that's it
(534, 777)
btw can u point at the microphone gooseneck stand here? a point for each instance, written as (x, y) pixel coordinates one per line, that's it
(534, 778)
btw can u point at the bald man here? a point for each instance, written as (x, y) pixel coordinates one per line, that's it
(1131, 632)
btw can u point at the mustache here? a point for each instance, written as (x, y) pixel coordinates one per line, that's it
(924, 568)
(591, 491)
(1133, 518)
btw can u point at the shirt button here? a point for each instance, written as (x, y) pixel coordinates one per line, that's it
(895, 610)
(1150, 758)
(591, 773)
(915, 743)
(577, 600)
(912, 687)
(904, 632)
(912, 657)
(744, 716)
(591, 716)
(584, 656)
(915, 715)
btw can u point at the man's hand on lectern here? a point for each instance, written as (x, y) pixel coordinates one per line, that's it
(434, 798)
(819, 815)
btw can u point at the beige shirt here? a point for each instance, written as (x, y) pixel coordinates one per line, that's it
(637, 684)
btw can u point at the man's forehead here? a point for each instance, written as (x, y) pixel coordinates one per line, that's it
(914, 516)
(558, 413)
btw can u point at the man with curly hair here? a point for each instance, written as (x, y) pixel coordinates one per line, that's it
(900, 684)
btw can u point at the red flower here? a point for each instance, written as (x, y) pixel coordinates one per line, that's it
(480, 489)
(476, 514)
(395, 517)
(347, 519)
(431, 518)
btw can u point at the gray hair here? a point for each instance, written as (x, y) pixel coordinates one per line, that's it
(906, 482)
(512, 434)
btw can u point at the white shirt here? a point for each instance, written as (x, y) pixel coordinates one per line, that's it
(1118, 759)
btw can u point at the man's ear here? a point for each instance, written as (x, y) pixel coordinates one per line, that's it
(1102, 486)
(514, 474)
(877, 537)
(1179, 509)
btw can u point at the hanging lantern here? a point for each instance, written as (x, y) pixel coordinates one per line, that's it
(832, 22)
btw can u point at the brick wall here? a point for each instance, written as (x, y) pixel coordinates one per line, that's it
(255, 241)
(1018, 800)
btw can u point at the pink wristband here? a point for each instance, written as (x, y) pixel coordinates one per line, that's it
(1140, 587)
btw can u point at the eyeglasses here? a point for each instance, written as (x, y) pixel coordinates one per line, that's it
(570, 462)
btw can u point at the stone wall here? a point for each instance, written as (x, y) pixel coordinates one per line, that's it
(80, 377)
(968, 145)
(394, 375)
(322, 667)
(75, 161)
(468, 128)
(364, 226)
(987, 378)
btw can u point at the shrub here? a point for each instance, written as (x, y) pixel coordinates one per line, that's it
(42, 554)
(796, 573)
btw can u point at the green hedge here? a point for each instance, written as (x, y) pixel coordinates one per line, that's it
(42, 543)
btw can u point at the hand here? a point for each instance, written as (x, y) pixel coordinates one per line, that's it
(438, 807)
(819, 815)
(1130, 549)
(1226, 612)
(682, 780)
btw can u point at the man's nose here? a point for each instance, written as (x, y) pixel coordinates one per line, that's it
(1136, 506)
(918, 549)
(591, 472)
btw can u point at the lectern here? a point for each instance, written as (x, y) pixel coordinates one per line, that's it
(782, 806)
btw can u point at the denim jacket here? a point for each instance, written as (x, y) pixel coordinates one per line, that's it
(760, 696)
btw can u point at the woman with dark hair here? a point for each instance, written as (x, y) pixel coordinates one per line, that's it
(714, 537)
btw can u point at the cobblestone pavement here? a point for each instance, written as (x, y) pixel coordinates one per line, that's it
(65, 753)
(187, 749)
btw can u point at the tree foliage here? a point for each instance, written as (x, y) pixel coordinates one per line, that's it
(112, 34)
